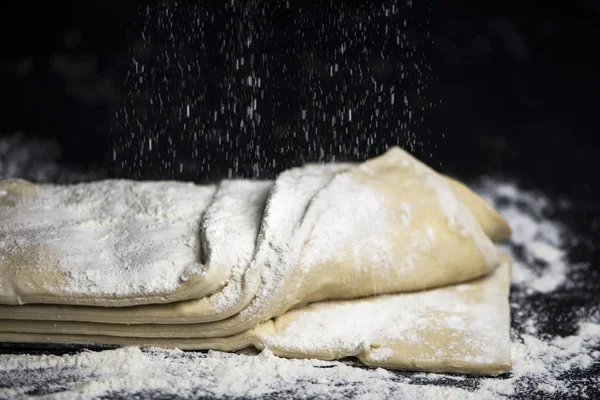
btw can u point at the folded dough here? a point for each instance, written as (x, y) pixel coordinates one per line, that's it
(335, 231)
(112, 243)
(462, 328)
(204, 267)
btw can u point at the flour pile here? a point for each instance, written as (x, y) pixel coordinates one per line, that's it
(542, 363)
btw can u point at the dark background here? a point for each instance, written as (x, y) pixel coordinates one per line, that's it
(510, 90)
(479, 88)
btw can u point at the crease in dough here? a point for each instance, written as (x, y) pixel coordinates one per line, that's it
(107, 243)
(461, 328)
(338, 232)
(331, 235)
(245, 279)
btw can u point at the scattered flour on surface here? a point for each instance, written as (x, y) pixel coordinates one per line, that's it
(541, 363)
(540, 239)
(537, 363)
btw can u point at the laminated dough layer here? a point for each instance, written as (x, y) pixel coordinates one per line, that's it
(390, 224)
(236, 264)
(460, 328)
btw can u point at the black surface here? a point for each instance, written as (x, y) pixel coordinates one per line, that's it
(511, 90)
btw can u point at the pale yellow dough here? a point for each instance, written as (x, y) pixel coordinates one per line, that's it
(431, 339)
(201, 310)
(317, 233)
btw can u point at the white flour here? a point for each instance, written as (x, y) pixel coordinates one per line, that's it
(542, 240)
(350, 327)
(126, 239)
(537, 364)
(541, 363)
(274, 258)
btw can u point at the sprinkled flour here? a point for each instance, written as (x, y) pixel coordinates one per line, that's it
(130, 237)
(541, 240)
(542, 364)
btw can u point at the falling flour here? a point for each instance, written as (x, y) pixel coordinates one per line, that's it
(542, 363)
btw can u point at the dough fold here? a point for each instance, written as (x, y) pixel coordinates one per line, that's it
(389, 244)
(461, 328)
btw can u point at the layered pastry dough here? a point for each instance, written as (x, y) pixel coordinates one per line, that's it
(235, 265)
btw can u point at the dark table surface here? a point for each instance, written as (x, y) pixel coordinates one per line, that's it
(509, 92)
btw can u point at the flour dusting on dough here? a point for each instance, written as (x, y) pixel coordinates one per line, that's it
(381, 354)
(542, 363)
(126, 238)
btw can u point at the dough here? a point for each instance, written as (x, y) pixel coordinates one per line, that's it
(225, 267)
(112, 243)
(461, 328)
(335, 231)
